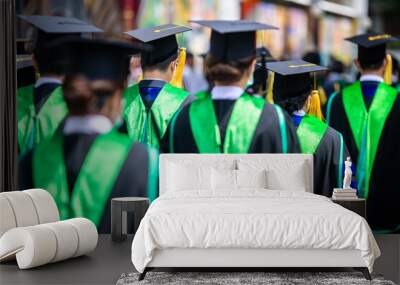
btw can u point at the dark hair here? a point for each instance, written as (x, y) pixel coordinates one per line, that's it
(293, 104)
(226, 72)
(336, 65)
(84, 96)
(371, 65)
(48, 62)
(147, 63)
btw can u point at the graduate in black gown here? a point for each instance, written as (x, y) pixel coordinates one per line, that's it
(367, 113)
(151, 104)
(226, 119)
(87, 162)
(40, 105)
(293, 91)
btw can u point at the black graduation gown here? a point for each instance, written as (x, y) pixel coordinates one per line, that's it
(42, 93)
(153, 85)
(267, 137)
(383, 208)
(26, 76)
(327, 163)
(132, 180)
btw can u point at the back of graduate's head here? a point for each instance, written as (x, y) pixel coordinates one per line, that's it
(294, 104)
(292, 92)
(295, 86)
(372, 57)
(84, 96)
(162, 67)
(223, 72)
(160, 61)
(48, 61)
(96, 75)
(366, 63)
(232, 55)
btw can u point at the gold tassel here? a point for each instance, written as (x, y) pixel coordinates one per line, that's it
(177, 78)
(270, 84)
(322, 95)
(388, 70)
(315, 105)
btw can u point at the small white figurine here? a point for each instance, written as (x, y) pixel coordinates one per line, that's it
(347, 174)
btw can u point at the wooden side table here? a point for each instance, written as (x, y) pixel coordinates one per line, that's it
(358, 206)
(119, 209)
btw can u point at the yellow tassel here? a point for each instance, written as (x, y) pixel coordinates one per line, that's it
(315, 105)
(322, 95)
(177, 78)
(270, 84)
(388, 70)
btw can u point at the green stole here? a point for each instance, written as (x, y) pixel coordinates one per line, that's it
(241, 126)
(34, 127)
(367, 126)
(96, 178)
(310, 133)
(150, 127)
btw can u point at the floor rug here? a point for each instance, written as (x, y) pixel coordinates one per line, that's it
(244, 278)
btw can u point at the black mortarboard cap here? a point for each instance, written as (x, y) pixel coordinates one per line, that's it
(292, 78)
(371, 46)
(53, 27)
(233, 40)
(50, 29)
(99, 59)
(162, 39)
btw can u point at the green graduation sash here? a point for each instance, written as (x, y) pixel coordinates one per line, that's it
(25, 117)
(90, 192)
(150, 127)
(32, 127)
(310, 133)
(367, 127)
(329, 107)
(241, 126)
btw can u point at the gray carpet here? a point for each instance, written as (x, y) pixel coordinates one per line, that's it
(243, 278)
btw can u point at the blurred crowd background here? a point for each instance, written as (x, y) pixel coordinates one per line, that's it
(314, 29)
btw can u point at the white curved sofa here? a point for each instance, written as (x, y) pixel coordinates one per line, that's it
(31, 233)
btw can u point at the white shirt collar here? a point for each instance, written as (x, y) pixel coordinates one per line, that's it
(90, 124)
(371, 77)
(151, 79)
(45, 79)
(300, 113)
(226, 92)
